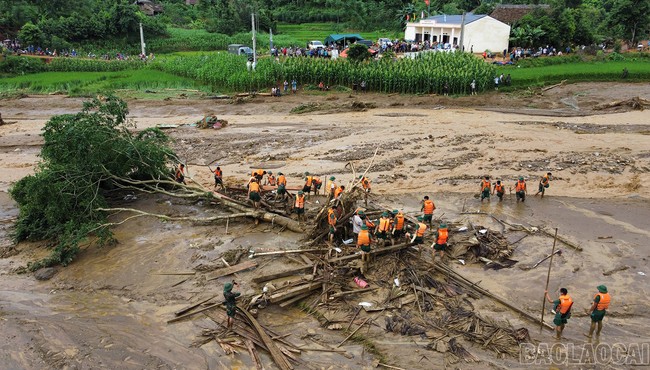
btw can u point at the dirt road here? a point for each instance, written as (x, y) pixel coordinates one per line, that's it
(109, 307)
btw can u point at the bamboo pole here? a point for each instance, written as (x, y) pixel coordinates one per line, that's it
(548, 279)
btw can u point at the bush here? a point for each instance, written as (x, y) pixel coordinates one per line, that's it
(16, 65)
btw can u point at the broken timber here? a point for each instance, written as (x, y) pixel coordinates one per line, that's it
(310, 267)
(232, 269)
(259, 214)
(447, 271)
(276, 354)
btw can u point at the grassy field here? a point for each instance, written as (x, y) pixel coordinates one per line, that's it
(319, 31)
(639, 70)
(89, 83)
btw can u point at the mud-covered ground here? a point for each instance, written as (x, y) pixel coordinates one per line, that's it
(108, 309)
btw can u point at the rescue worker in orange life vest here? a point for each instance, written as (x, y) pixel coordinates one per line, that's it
(562, 308)
(218, 178)
(543, 184)
(384, 227)
(299, 206)
(308, 183)
(270, 179)
(440, 245)
(254, 193)
(520, 189)
(363, 242)
(428, 207)
(598, 310)
(499, 190)
(331, 221)
(485, 188)
(398, 226)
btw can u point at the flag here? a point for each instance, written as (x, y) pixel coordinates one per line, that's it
(426, 2)
(408, 17)
(414, 17)
(422, 15)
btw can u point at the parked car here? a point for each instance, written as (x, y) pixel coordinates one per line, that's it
(240, 49)
(315, 45)
(385, 41)
(368, 43)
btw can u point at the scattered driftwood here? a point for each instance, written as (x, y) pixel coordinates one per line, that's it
(181, 317)
(276, 354)
(341, 294)
(528, 267)
(554, 86)
(353, 333)
(615, 270)
(232, 269)
(635, 103)
(273, 253)
(193, 306)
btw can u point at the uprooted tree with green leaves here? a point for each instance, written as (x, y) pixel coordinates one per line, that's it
(85, 157)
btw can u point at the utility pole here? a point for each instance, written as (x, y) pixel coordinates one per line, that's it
(270, 38)
(142, 39)
(254, 40)
(462, 32)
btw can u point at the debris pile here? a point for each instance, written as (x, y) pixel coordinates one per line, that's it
(211, 121)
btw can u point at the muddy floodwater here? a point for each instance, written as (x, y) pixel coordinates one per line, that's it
(109, 308)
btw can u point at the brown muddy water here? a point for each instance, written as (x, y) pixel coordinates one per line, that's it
(108, 309)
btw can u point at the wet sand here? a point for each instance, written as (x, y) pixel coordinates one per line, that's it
(108, 309)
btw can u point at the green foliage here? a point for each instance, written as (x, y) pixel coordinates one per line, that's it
(83, 154)
(575, 72)
(630, 19)
(20, 65)
(357, 53)
(93, 83)
(425, 75)
(30, 34)
(549, 61)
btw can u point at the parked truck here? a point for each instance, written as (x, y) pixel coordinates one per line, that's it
(240, 49)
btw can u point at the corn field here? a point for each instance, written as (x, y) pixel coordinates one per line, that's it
(92, 65)
(424, 75)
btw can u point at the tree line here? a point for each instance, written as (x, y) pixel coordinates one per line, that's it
(61, 23)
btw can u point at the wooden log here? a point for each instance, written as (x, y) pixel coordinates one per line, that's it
(251, 350)
(179, 318)
(273, 253)
(260, 215)
(294, 299)
(354, 332)
(467, 283)
(278, 357)
(231, 270)
(278, 297)
(298, 270)
(189, 308)
(341, 294)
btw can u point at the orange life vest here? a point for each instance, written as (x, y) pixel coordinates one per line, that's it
(421, 229)
(369, 224)
(521, 186)
(363, 238)
(565, 303)
(545, 180)
(399, 221)
(259, 173)
(254, 187)
(309, 180)
(499, 188)
(365, 182)
(485, 184)
(282, 180)
(300, 201)
(443, 236)
(317, 181)
(384, 224)
(429, 207)
(218, 173)
(337, 192)
(271, 180)
(331, 217)
(603, 304)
